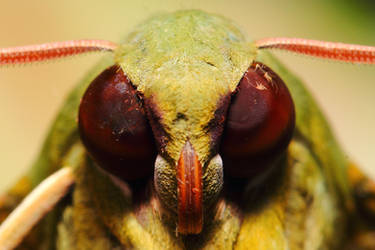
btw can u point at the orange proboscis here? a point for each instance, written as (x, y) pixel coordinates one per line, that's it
(189, 177)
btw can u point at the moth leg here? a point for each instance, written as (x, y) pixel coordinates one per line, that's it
(363, 226)
(363, 190)
(32, 209)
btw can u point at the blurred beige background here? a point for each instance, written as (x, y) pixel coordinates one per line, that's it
(30, 96)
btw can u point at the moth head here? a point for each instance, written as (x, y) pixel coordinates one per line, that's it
(196, 109)
(186, 132)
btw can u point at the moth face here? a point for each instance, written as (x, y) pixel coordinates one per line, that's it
(187, 111)
(187, 108)
(186, 133)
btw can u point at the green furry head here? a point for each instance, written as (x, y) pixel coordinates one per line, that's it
(186, 65)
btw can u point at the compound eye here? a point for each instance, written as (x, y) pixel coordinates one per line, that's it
(259, 124)
(114, 128)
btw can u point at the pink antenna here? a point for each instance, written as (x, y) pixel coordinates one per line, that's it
(335, 51)
(48, 51)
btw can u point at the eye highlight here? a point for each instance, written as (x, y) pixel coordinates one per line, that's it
(114, 128)
(260, 123)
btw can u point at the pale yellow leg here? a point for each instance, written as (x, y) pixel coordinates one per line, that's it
(32, 209)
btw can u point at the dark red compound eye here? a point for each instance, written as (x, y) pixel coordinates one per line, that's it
(114, 128)
(260, 123)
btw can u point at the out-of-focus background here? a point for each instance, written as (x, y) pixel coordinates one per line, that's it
(30, 95)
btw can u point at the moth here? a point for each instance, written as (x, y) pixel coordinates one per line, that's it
(189, 137)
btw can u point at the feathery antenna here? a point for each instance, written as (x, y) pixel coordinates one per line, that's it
(48, 51)
(336, 51)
